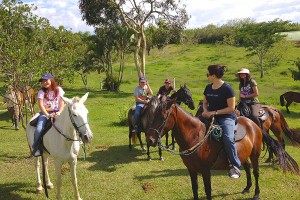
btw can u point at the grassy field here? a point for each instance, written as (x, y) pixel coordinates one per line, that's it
(111, 171)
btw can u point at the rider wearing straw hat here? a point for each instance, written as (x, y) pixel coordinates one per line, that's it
(249, 94)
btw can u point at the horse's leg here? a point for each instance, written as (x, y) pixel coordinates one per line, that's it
(130, 136)
(254, 162)
(39, 187)
(148, 153)
(74, 178)
(58, 166)
(288, 103)
(247, 167)
(206, 177)
(140, 139)
(194, 180)
(48, 182)
(173, 142)
(160, 154)
(167, 139)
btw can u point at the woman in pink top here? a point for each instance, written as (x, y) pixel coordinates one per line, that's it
(50, 104)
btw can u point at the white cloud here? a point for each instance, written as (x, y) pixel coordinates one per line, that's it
(203, 12)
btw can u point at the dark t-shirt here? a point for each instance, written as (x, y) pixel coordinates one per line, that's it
(164, 91)
(217, 99)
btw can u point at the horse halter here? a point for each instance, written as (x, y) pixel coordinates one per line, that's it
(73, 122)
(159, 129)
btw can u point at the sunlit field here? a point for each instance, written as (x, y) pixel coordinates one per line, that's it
(112, 171)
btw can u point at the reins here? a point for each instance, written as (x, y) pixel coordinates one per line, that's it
(186, 152)
(76, 128)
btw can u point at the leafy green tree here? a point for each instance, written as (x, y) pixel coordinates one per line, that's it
(259, 38)
(134, 14)
(296, 73)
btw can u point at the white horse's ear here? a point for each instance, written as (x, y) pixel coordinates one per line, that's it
(66, 100)
(83, 99)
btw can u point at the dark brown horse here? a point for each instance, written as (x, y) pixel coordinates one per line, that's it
(15, 101)
(200, 154)
(182, 95)
(289, 97)
(272, 119)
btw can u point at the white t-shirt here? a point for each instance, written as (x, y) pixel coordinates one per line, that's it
(53, 102)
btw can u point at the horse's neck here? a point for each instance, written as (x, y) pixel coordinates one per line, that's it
(188, 130)
(148, 115)
(64, 124)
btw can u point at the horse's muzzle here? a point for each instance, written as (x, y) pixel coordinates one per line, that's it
(151, 141)
(87, 137)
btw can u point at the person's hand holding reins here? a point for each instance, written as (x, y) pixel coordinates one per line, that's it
(208, 114)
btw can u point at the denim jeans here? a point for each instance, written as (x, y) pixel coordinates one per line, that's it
(138, 108)
(38, 130)
(228, 126)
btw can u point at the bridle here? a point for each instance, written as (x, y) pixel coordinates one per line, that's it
(185, 152)
(74, 125)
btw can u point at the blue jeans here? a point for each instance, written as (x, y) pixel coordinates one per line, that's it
(39, 127)
(138, 108)
(228, 126)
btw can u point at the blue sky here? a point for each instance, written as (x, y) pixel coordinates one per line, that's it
(202, 12)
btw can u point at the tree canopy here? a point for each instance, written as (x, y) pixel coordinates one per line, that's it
(134, 14)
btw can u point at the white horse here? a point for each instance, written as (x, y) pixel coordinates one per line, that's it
(62, 142)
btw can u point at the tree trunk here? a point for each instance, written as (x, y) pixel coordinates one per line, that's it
(136, 56)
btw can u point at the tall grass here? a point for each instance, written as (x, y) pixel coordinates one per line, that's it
(111, 171)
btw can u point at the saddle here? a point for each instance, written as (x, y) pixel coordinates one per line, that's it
(245, 110)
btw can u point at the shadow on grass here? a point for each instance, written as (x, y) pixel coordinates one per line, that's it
(8, 191)
(106, 158)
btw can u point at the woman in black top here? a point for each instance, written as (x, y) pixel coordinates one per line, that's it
(219, 101)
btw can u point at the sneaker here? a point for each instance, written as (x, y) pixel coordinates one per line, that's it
(134, 130)
(234, 172)
(37, 153)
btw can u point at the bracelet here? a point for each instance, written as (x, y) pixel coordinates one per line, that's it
(216, 113)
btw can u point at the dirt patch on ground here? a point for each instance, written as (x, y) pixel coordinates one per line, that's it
(147, 186)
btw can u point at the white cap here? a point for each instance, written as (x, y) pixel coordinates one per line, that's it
(244, 71)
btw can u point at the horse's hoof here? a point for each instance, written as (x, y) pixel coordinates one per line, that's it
(256, 197)
(144, 149)
(39, 190)
(162, 159)
(149, 159)
(50, 186)
(245, 191)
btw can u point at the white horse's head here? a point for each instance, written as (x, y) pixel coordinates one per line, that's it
(79, 116)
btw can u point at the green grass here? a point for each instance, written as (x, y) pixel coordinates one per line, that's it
(111, 171)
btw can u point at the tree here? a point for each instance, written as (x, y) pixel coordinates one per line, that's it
(259, 38)
(296, 73)
(134, 14)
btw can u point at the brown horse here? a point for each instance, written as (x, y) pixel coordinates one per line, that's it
(272, 119)
(182, 95)
(15, 101)
(289, 97)
(200, 154)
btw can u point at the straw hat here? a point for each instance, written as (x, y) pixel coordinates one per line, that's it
(243, 71)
